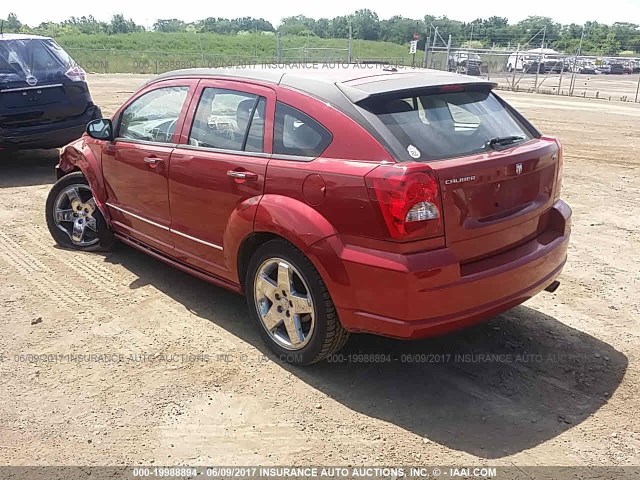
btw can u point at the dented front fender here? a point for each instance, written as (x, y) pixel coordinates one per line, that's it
(78, 156)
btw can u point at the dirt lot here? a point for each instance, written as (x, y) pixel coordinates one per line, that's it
(609, 87)
(569, 398)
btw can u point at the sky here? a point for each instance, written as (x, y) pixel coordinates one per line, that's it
(572, 11)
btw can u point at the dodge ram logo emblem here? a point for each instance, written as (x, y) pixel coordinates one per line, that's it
(518, 168)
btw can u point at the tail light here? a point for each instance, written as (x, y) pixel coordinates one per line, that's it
(76, 74)
(409, 200)
(559, 168)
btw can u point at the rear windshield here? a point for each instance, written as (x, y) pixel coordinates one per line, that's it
(446, 125)
(39, 58)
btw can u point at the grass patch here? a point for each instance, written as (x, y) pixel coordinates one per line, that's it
(157, 52)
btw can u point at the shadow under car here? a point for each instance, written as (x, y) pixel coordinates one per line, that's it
(491, 390)
(23, 168)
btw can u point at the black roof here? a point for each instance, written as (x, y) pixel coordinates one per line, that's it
(356, 82)
(343, 87)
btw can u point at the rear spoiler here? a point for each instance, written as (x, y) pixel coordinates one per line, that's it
(395, 85)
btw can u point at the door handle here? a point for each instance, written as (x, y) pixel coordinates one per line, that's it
(152, 160)
(242, 175)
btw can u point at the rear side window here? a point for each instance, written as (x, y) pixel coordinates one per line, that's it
(446, 125)
(298, 134)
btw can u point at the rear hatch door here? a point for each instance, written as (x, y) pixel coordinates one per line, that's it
(497, 200)
(34, 86)
(497, 175)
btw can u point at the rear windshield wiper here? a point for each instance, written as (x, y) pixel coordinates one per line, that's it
(502, 141)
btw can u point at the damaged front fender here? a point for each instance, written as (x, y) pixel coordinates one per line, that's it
(78, 156)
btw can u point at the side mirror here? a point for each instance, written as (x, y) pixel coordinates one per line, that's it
(100, 129)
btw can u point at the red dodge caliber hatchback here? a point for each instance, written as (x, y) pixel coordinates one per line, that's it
(400, 203)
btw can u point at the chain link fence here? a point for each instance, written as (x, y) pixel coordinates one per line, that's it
(155, 62)
(556, 74)
(610, 78)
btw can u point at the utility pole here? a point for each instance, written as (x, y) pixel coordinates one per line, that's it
(415, 39)
(575, 63)
(350, 43)
(540, 58)
(435, 39)
(449, 53)
(426, 50)
(560, 81)
(278, 46)
(515, 67)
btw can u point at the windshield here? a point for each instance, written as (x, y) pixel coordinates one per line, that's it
(446, 125)
(470, 56)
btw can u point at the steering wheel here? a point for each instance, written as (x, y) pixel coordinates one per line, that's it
(170, 130)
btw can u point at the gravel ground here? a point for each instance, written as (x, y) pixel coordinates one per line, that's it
(552, 382)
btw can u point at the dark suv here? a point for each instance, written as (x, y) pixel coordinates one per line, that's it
(465, 62)
(44, 98)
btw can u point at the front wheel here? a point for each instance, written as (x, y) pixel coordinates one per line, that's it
(292, 306)
(73, 218)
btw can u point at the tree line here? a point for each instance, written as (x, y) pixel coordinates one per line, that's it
(493, 32)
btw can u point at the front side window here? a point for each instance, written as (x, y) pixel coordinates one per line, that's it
(298, 134)
(153, 116)
(445, 125)
(229, 120)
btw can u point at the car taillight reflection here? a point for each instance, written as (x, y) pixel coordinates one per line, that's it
(76, 74)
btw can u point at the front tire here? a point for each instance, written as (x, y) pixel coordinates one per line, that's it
(73, 218)
(292, 306)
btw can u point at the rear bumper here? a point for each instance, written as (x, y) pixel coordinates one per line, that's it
(429, 293)
(48, 135)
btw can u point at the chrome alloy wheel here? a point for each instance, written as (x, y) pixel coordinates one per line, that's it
(73, 214)
(284, 303)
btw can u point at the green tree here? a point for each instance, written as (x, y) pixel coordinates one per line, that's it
(12, 24)
(87, 25)
(446, 27)
(339, 27)
(170, 25)
(297, 25)
(321, 28)
(366, 24)
(400, 29)
(533, 30)
(250, 24)
(611, 44)
(599, 38)
(492, 31)
(121, 25)
(626, 33)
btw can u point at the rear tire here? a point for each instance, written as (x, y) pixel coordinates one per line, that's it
(74, 220)
(299, 324)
